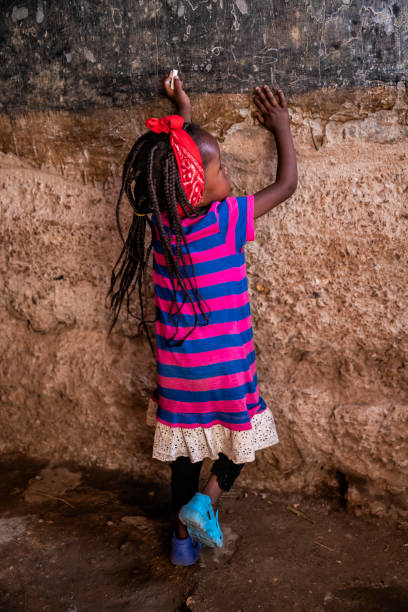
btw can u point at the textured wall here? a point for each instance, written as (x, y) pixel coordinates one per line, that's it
(327, 276)
(79, 54)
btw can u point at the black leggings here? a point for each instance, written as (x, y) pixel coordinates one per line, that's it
(185, 477)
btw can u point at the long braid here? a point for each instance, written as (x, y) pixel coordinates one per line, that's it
(151, 182)
(177, 229)
(180, 197)
(125, 181)
(131, 258)
(170, 259)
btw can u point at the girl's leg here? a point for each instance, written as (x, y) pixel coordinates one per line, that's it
(185, 477)
(223, 475)
(185, 483)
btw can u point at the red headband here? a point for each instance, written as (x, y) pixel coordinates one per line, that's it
(187, 155)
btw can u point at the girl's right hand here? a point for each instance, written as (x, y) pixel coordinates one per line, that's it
(273, 113)
(177, 95)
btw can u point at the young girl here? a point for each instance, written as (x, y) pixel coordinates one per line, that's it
(208, 402)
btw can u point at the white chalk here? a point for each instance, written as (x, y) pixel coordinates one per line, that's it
(174, 73)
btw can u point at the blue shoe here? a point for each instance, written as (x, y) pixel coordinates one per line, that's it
(198, 516)
(184, 552)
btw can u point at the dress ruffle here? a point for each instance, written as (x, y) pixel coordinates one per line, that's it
(199, 443)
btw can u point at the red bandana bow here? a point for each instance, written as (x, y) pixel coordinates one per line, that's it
(187, 155)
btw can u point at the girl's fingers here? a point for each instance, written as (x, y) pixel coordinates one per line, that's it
(264, 99)
(260, 118)
(282, 97)
(270, 96)
(259, 103)
(260, 106)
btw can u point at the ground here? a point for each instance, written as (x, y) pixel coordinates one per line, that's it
(74, 539)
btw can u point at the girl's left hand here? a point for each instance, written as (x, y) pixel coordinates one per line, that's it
(176, 95)
(273, 113)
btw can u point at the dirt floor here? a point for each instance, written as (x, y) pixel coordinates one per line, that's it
(80, 540)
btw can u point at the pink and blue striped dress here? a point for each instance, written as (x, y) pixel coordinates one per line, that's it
(211, 378)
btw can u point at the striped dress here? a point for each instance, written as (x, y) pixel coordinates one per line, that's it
(208, 399)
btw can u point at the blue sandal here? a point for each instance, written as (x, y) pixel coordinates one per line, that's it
(198, 516)
(184, 552)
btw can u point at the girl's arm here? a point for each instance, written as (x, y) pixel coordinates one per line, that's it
(178, 96)
(274, 117)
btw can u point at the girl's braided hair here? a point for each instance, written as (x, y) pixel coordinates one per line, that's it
(152, 184)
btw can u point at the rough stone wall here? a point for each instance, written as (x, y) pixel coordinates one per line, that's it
(327, 275)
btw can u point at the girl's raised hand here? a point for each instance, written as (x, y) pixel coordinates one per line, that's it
(273, 113)
(177, 95)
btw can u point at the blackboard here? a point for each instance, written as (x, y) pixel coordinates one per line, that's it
(80, 54)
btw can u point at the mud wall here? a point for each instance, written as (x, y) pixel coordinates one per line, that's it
(327, 276)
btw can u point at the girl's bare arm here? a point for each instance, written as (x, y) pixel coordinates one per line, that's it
(273, 115)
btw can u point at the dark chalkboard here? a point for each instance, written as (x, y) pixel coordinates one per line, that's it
(78, 54)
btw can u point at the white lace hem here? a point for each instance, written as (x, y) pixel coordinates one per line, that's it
(201, 442)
